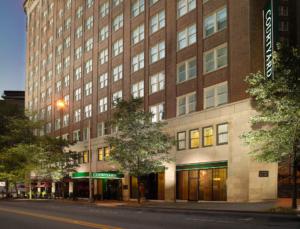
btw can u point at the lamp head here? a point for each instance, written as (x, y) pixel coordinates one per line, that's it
(60, 104)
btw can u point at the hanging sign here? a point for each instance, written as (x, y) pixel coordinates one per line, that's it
(2, 184)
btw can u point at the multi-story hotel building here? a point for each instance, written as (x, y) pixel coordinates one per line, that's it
(188, 59)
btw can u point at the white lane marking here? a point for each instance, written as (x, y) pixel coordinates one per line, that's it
(246, 219)
(207, 220)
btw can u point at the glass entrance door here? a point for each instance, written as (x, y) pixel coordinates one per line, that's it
(205, 184)
(193, 184)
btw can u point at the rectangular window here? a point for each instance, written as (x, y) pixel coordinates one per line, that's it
(67, 81)
(88, 89)
(59, 49)
(78, 32)
(48, 110)
(89, 44)
(51, 7)
(157, 52)
(117, 73)
(138, 34)
(102, 129)
(88, 111)
(59, 31)
(78, 52)
(115, 96)
(284, 41)
(117, 22)
(138, 62)
(100, 154)
(36, 85)
(88, 66)
(186, 70)
(102, 105)
(50, 40)
(102, 81)
(42, 131)
(43, 96)
(36, 70)
(103, 56)
(68, 5)
(49, 75)
(85, 156)
(89, 23)
(103, 34)
(43, 80)
(48, 127)
(60, 13)
(79, 11)
(50, 23)
(68, 23)
(222, 134)
(215, 22)
(58, 86)
(77, 115)
(77, 94)
(67, 42)
(58, 68)
(49, 92)
(30, 90)
(159, 112)
(35, 102)
(216, 96)
(106, 153)
(65, 137)
(283, 10)
(66, 120)
(104, 9)
(57, 124)
(44, 46)
(43, 63)
(116, 2)
(283, 26)
(42, 115)
(185, 6)
(138, 7)
(215, 59)
(30, 105)
(76, 136)
(44, 15)
(157, 82)
(153, 1)
(157, 22)
(181, 141)
(66, 61)
(77, 74)
(67, 99)
(194, 139)
(186, 104)
(137, 89)
(50, 58)
(88, 3)
(186, 37)
(117, 47)
(44, 30)
(208, 136)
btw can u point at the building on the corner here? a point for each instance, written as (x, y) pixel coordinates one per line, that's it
(187, 58)
(16, 97)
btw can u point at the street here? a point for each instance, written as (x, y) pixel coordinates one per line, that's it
(44, 215)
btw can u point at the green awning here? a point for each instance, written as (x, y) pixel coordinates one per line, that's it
(202, 166)
(85, 175)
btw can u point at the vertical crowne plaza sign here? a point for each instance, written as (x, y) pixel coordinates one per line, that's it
(270, 36)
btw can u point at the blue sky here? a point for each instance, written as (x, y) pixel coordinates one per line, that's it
(12, 45)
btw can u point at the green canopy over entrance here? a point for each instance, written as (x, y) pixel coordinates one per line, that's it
(85, 175)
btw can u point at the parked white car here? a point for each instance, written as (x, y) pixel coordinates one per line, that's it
(298, 211)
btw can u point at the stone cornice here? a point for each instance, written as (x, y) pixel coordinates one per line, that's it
(27, 4)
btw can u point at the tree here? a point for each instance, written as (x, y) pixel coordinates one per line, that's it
(140, 147)
(278, 102)
(61, 161)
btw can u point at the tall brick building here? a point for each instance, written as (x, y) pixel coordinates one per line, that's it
(187, 58)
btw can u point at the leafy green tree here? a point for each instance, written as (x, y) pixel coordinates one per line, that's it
(278, 102)
(61, 161)
(140, 147)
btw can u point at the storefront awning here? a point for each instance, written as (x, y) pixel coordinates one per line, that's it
(85, 175)
(202, 166)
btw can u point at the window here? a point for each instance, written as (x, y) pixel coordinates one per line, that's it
(117, 73)
(215, 59)
(102, 81)
(57, 124)
(67, 81)
(186, 104)
(88, 3)
(89, 23)
(67, 99)
(138, 7)
(35, 102)
(184, 6)
(137, 89)
(65, 137)
(30, 60)
(43, 96)
(49, 75)
(36, 84)
(66, 120)
(50, 23)
(79, 11)
(88, 66)
(138, 34)
(216, 96)
(30, 75)
(43, 63)
(283, 26)
(157, 52)
(88, 111)
(284, 41)
(42, 115)
(115, 96)
(60, 13)
(31, 45)
(59, 31)
(43, 79)
(44, 15)
(77, 74)
(103, 56)
(138, 62)
(103, 34)
(153, 1)
(85, 134)
(187, 37)
(194, 139)
(36, 70)
(50, 40)
(159, 112)
(104, 9)
(30, 105)
(157, 22)
(67, 42)
(44, 30)
(283, 10)
(58, 68)
(37, 38)
(68, 5)
(68, 23)
(116, 2)
(78, 32)
(59, 49)
(49, 92)
(50, 58)
(37, 24)
(117, 47)
(102, 105)
(100, 154)
(186, 70)
(58, 86)
(44, 47)
(215, 22)
(66, 61)
(78, 52)
(117, 22)
(102, 129)
(88, 89)
(31, 31)
(51, 7)
(208, 136)
(222, 134)
(48, 110)
(181, 141)
(106, 153)
(77, 115)
(36, 55)
(77, 94)
(30, 90)
(76, 137)
(42, 131)
(48, 127)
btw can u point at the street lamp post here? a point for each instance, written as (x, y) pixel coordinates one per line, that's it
(61, 104)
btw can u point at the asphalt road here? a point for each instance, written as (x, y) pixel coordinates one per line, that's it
(44, 215)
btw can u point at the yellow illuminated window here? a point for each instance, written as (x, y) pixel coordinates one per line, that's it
(85, 157)
(100, 154)
(106, 152)
(208, 136)
(194, 139)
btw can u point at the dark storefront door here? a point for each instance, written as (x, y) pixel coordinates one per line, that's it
(193, 185)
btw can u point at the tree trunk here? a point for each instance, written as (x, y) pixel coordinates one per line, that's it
(16, 189)
(6, 188)
(294, 200)
(63, 189)
(139, 197)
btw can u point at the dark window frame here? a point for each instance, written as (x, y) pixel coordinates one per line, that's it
(99, 155)
(87, 159)
(203, 136)
(181, 140)
(226, 143)
(104, 152)
(190, 145)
